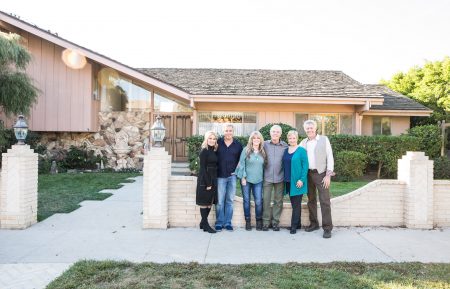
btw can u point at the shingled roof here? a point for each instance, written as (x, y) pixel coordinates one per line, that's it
(256, 82)
(394, 100)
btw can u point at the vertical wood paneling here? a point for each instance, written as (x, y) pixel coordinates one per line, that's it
(86, 95)
(51, 98)
(37, 119)
(287, 118)
(261, 119)
(64, 111)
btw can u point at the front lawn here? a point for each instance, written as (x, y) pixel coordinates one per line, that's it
(62, 193)
(115, 275)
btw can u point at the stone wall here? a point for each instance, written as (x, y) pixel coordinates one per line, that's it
(121, 139)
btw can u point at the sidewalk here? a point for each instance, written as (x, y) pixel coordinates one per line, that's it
(111, 229)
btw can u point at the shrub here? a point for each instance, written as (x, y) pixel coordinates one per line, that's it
(349, 165)
(442, 168)
(265, 131)
(80, 158)
(430, 139)
(383, 151)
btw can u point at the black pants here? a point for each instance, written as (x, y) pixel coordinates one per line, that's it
(296, 203)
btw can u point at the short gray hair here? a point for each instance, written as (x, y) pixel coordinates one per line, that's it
(276, 126)
(310, 122)
(227, 125)
(293, 132)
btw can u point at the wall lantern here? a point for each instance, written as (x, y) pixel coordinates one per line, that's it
(21, 130)
(158, 132)
(73, 58)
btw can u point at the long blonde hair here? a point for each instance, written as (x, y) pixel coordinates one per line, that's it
(249, 148)
(205, 140)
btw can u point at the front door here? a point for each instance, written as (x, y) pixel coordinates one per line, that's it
(178, 129)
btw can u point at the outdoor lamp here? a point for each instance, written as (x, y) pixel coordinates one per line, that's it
(158, 132)
(21, 130)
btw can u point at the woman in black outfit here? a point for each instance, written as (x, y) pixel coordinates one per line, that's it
(207, 179)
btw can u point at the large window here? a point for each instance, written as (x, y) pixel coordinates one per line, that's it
(163, 104)
(244, 122)
(327, 124)
(118, 93)
(381, 125)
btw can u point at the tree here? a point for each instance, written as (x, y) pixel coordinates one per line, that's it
(428, 85)
(17, 92)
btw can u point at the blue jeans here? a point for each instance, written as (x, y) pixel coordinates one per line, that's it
(256, 189)
(226, 190)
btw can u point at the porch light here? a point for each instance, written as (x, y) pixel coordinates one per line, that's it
(21, 130)
(158, 132)
(74, 59)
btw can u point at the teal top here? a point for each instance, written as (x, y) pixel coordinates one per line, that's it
(252, 168)
(299, 171)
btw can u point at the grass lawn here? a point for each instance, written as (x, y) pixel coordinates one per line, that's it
(336, 189)
(62, 193)
(114, 275)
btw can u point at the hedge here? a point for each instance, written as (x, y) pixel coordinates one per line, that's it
(349, 165)
(430, 139)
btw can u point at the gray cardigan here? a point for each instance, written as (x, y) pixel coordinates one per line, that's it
(273, 171)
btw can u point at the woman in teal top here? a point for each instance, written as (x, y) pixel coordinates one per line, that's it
(250, 170)
(295, 165)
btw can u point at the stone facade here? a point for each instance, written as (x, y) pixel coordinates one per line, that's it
(122, 139)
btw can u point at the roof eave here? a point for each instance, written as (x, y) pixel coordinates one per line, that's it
(393, 112)
(93, 56)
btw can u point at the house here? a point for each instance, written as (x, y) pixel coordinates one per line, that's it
(109, 107)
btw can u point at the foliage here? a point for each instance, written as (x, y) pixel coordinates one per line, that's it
(430, 139)
(383, 151)
(349, 165)
(285, 128)
(17, 92)
(62, 193)
(336, 275)
(80, 158)
(429, 85)
(442, 168)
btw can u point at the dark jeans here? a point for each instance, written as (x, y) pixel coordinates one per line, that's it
(315, 184)
(296, 203)
(256, 190)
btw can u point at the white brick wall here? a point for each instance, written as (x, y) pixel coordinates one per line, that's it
(441, 203)
(18, 188)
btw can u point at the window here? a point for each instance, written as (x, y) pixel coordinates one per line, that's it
(327, 124)
(118, 93)
(381, 125)
(163, 104)
(244, 122)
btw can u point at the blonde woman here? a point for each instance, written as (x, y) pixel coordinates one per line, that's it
(250, 170)
(295, 166)
(207, 179)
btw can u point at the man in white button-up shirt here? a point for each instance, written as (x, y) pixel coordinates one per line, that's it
(321, 166)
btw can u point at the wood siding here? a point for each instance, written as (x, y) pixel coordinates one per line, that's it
(65, 101)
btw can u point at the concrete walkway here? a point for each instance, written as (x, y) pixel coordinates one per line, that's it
(111, 229)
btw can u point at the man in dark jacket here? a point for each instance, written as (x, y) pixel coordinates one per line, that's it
(228, 153)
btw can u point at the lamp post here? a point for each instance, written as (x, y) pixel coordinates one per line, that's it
(158, 132)
(21, 130)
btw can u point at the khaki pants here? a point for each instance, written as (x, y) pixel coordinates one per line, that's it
(315, 184)
(272, 213)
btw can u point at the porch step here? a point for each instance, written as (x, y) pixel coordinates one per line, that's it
(180, 169)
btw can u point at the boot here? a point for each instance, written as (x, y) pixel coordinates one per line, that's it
(204, 212)
(248, 225)
(259, 225)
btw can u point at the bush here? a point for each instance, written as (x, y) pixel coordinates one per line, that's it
(383, 151)
(80, 158)
(442, 168)
(265, 131)
(430, 139)
(349, 165)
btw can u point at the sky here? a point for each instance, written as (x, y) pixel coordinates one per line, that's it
(369, 40)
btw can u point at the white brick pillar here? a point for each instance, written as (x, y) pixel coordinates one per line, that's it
(155, 190)
(416, 170)
(18, 188)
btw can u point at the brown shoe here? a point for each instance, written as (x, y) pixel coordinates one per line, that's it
(327, 234)
(311, 228)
